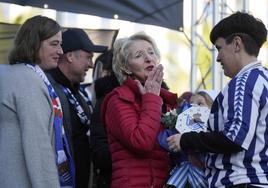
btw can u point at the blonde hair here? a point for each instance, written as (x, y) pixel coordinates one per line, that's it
(208, 99)
(121, 53)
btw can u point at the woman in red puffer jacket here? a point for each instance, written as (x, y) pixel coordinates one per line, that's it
(132, 115)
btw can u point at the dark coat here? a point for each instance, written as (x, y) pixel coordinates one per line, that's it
(74, 129)
(101, 155)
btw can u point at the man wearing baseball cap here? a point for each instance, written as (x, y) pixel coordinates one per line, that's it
(73, 65)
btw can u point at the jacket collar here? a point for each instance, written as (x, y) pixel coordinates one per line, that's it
(59, 77)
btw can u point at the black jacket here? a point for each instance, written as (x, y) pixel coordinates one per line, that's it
(100, 149)
(75, 130)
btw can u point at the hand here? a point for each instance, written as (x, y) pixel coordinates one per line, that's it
(174, 142)
(153, 82)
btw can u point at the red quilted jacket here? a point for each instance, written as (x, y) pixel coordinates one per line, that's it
(132, 122)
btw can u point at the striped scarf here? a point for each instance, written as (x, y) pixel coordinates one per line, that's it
(186, 173)
(64, 160)
(77, 107)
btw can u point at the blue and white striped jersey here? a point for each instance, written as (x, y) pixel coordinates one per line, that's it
(240, 112)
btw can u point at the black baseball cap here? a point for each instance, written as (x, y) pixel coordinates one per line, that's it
(77, 39)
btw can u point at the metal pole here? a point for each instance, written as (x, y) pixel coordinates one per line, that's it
(266, 24)
(246, 5)
(193, 46)
(223, 14)
(215, 74)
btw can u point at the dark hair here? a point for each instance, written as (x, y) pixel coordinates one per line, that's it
(106, 58)
(29, 37)
(186, 95)
(103, 62)
(250, 44)
(251, 30)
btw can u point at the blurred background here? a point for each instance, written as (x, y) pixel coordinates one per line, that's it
(183, 37)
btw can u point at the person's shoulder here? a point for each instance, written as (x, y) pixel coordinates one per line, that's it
(125, 93)
(22, 82)
(14, 72)
(18, 70)
(4, 67)
(22, 76)
(4, 70)
(120, 93)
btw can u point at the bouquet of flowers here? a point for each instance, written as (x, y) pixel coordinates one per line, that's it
(186, 118)
(183, 119)
(169, 119)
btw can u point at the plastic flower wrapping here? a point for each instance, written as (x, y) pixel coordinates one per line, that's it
(184, 118)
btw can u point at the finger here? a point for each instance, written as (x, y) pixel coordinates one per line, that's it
(140, 86)
(158, 76)
(151, 74)
(154, 71)
(160, 66)
(158, 70)
(170, 138)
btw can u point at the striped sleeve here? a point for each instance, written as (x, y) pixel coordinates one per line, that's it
(243, 105)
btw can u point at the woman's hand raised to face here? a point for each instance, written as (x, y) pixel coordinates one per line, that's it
(153, 82)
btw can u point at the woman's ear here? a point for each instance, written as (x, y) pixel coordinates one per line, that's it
(125, 70)
(128, 72)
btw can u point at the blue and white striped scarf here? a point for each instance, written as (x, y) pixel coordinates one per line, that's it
(64, 160)
(186, 172)
(77, 107)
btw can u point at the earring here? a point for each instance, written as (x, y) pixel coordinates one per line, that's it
(128, 72)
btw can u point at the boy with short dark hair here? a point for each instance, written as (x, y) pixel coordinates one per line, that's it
(237, 138)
